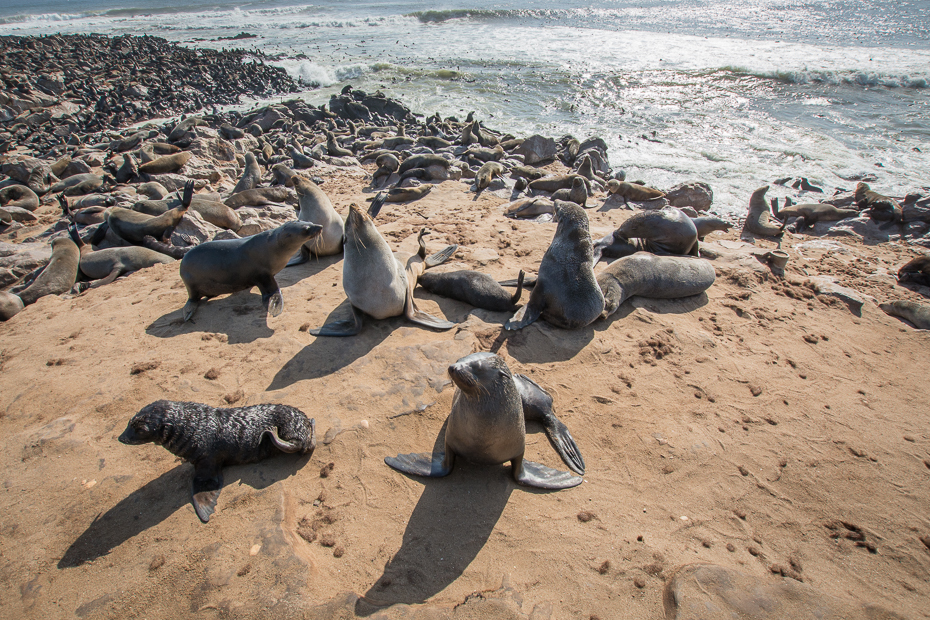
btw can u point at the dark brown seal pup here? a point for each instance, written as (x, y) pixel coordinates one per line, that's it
(566, 292)
(487, 426)
(211, 438)
(231, 265)
(757, 220)
(477, 289)
(662, 231)
(59, 274)
(656, 277)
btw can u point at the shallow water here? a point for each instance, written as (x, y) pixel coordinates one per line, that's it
(732, 92)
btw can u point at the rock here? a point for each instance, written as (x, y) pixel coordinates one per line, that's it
(825, 286)
(10, 305)
(203, 169)
(695, 194)
(213, 149)
(225, 234)
(248, 144)
(537, 149)
(916, 212)
(861, 226)
(173, 182)
(708, 592)
(194, 226)
(255, 226)
(34, 173)
(19, 259)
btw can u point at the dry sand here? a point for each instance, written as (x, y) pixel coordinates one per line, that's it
(760, 427)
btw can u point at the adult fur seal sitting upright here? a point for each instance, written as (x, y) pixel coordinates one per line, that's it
(487, 426)
(566, 292)
(757, 219)
(211, 439)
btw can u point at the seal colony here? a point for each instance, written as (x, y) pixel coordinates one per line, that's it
(261, 189)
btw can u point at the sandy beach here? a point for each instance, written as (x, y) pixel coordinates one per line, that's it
(772, 426)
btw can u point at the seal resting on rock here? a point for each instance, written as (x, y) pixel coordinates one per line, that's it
(661, 231)
(375, 280)
(757, 220)
(487, 426)
(58, 276)
(811, 213)
(231, 265)
(211, 438)
(881, 208)
(566, 292)
(656, 277)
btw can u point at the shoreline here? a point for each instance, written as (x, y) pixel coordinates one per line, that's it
(774, 425)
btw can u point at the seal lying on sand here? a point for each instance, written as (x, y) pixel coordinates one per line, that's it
(475, 288)
(104, 266)
(757, 220)
(211, 439)
(657, 277)
(375, 281)
(487, 426)
(915, 313)
(134, 225)
(916, 270)
(230, 265)
(662, 231)
(566, 292)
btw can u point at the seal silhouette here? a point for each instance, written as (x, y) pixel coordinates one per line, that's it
(487, 426)
(211, 438)
(230, 265)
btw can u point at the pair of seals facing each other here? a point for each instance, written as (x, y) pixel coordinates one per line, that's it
(211, 439)
(661, 231)
(487, 426)
(231, 265)
(375, 280)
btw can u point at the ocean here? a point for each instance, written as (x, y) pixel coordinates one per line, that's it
(736, 93)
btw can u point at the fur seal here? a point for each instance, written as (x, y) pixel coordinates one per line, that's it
(661, 231)
(283, 175)
(152, 190)
(19, 196)
(487, 426)
(104, 266)
(257, 196)
(477, 289)
(10, 305)
(212, 211)
(231, 265)
(316, 207)
(758, 219)
(133, 225)
(881, 208)
(656, 277)
(211, 438)
(251, 175)
(166, 163)
(566, 292)
(707, 224)
(633, 191)
(577, 194)
(403, 194)
(486, 174)
(811, 213)
(525, 172)
(916, 270)
(79, 184)
(387, 164)
(128, 171)
(529, 208)
(422, 161)
(552, 183)
(375, 281)
(59, 274)
(916, 314)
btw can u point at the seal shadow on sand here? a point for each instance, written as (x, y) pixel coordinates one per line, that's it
(241, 315)
(449, 526)
(160, 498)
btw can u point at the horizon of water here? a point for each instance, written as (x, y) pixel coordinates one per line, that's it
(735, 93)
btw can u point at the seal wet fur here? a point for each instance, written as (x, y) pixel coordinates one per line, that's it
(211, 438)
(566, 292)
(230, 265)
(487, 426)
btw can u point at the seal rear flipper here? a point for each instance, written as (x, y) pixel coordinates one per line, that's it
(536, 475)
(528, 281)
(205, 489)
(413, 313)
(189, 309)
(350, 327)
(438, 258)
(288, 447)
(431, 465)
(375, 207)
(524, 316)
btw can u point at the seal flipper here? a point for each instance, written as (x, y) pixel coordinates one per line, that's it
(189, 309)
(302, 256)
(536, 475)
(438, 258)
(537, 406)
(288, 447)
(342, 328)
(271, 296)
(205, 488)
(431, 465)
(416, 315)
(528, 313)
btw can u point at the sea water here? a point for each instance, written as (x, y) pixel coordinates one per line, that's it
(736, 93)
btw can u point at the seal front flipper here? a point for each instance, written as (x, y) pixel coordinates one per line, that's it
(205, 488)
(189, 309)
(536, 475)
(537, 406)
(302, 256)
(271, 296)
(350, 327)
(431, 465)
(525, 315)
